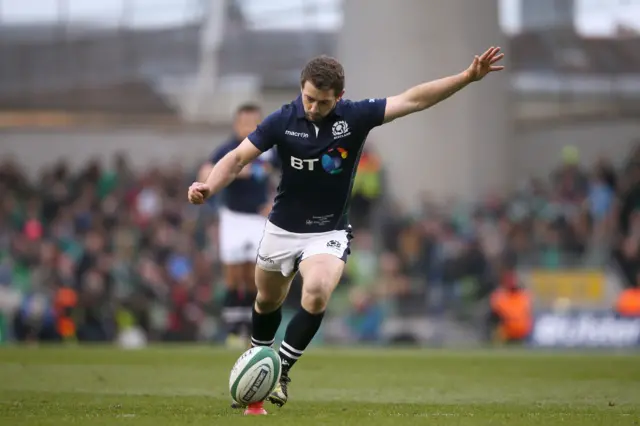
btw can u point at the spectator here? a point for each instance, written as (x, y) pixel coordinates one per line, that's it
(511, 318)
(366, 316)
(628, 303)
(367, 188)
(570, 180)
(137, 256)
(601, 194)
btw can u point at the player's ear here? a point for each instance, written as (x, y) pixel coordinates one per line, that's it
(340, 95)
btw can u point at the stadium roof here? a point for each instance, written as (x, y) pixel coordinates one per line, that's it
(35, 65)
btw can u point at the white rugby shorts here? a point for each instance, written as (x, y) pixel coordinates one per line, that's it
(239, 236)
(283, 251)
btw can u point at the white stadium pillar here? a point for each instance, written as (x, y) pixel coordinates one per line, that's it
(458, 148)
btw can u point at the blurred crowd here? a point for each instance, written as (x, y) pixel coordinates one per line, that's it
(91, 254)
(444, 257)
(105, 249)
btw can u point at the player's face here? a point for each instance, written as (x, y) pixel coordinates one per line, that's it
(245, 123)
(318, 103)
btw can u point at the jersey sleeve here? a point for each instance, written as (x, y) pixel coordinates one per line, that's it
(371, 112)
(264, 137)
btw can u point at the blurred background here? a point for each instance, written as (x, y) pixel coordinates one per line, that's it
(508, 215)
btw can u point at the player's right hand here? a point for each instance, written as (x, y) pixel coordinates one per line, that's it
(198, 192)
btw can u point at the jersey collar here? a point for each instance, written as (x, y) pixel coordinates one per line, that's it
(337, 111)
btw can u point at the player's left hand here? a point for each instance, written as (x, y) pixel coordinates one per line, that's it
(484, 64)
(198, 192)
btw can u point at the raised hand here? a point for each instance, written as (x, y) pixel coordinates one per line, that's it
(484, 64)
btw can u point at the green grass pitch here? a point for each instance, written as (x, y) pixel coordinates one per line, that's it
(185, 385)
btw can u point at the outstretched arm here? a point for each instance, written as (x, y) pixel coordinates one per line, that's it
(206, 168)
(224, 172)
(426, 95)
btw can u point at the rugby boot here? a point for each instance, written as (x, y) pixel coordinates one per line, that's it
(280, 394)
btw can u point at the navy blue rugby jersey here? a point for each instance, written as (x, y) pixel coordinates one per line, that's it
(318, 161)
(246, 194)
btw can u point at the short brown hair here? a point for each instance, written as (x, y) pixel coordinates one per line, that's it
(248, 107)
(325, 73)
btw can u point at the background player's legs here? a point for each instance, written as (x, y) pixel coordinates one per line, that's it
(320, 275)
(239, 238)
(248, 292)
(272, 289)
(236, 305)
(249, 278)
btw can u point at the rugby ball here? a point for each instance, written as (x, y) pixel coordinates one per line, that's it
(254, 375)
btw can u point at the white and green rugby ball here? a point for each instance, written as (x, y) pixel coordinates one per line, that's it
(254, 375)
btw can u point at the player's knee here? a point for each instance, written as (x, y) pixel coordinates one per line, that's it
(316, 293)
(266, 303)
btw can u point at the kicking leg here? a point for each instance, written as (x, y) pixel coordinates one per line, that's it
(272, 289)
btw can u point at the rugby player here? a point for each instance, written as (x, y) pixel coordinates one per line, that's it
(245, 203)
(319, 138)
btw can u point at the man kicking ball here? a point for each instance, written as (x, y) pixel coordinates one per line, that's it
(319, 138)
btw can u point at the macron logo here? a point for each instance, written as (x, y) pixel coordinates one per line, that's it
(296, 134)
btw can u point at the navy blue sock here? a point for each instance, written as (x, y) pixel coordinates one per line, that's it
(300, 331)
(265, 327)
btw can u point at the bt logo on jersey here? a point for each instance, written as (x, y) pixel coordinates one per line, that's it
(331, 162)
(300, 164)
